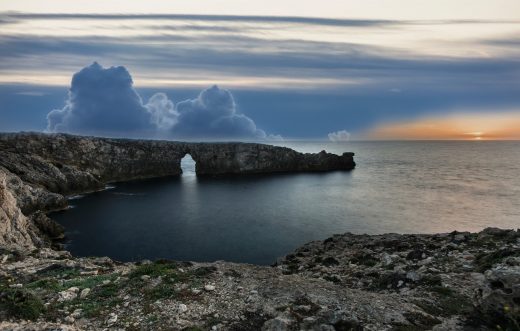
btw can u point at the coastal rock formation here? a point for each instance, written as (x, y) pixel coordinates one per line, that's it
(39, 170)
(453, 281)
(65, 163)
(15, 228)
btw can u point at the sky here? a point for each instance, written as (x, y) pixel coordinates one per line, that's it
(272, 70)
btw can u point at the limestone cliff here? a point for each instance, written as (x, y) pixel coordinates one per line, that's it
(39, 169)
(456, 281)
(15, 228)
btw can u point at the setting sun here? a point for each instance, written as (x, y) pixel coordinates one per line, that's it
(499, 126)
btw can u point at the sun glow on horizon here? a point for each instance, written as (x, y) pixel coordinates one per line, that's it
(494, 126)
(475, 135)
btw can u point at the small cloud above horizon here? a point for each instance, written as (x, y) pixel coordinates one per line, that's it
(32, 93)
(339, 136)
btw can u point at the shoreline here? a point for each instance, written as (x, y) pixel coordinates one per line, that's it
(450, 281)
(454, 281)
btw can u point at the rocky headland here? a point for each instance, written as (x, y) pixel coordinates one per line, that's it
(453, 281)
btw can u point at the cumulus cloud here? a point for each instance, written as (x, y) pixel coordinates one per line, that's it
(339, 136)
(162, 111)
(213, 113)
(103, 102)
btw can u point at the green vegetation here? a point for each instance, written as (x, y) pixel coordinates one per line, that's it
(192, 328)
(88, 282)
(20, 303)
(90, 308)
(485, 261)
(45, 284)
(446, 303)
(441, 290)
(364, 259)
(431, 281)
(57, 271)
(155, 269)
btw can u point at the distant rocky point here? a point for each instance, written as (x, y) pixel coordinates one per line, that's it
(453, 281)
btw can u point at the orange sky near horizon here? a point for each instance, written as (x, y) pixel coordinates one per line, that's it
(499, 126)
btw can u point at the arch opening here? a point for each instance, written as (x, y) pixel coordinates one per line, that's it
(188, 166)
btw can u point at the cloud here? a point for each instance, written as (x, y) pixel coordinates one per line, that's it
(162, 110)
(104, 102)
(307, 20)
(31, 93)
(339, 136)
(214, 18)
(213, 113)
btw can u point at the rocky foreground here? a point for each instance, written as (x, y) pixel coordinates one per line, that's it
(455, 281)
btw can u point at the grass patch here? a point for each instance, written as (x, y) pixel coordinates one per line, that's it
(20, 303)
(485, 261)
(253, 321)
(100, 300)
(45, 284)
(152, 319)
(389, 281)
(433, 281)
(441, 290)
(161, 291)
(109, 290)
(91, 309)
(419, 321)
(447, 303)
(88, 282)
(170, 275)
(52, 285)
(192, 328)
(58, 271)
(155, 269)
(364, 259)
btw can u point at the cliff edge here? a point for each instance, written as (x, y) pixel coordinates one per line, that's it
(453, 281)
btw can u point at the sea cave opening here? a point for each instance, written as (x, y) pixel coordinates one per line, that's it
(188, 166)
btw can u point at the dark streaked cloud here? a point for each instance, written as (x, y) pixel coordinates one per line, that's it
(301, 77)
(252, 18)
(241, 56)
(214, 18)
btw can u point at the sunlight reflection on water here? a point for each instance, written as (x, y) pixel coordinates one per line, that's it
(405, 187)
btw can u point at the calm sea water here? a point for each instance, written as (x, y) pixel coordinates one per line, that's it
(403, 187)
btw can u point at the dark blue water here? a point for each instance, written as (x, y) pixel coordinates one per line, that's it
(404, 187)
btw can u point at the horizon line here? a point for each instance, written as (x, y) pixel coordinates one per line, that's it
(284, 140)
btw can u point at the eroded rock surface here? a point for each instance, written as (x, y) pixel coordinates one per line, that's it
(65, 163)
(39, 170)
(455, 281)
(16, 230)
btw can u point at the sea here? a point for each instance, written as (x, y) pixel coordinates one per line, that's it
(396, 187)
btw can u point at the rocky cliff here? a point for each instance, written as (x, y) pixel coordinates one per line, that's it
(456, 281)
(73, 163)
(37, 170)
